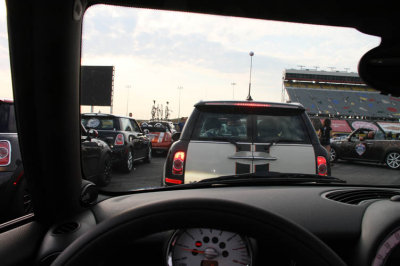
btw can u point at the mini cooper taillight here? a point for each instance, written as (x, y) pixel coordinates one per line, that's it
(322, 167)
(119, 140)
(5, 152)
(178, 163)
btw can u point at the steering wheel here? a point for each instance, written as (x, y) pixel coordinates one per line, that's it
(92, 247)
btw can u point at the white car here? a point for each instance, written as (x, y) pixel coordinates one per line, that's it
(236, 137)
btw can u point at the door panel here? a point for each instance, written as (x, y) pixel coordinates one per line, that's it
(285, 158)
(208, 159)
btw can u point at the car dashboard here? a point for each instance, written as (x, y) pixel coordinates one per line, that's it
(360, 224)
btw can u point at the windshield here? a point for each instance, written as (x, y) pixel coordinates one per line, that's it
(168, 65)
(148, 68)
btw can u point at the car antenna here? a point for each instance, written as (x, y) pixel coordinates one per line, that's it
(251, 65)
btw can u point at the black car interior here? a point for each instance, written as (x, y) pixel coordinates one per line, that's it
(308, 224)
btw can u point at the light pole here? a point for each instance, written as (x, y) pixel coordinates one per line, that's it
(233, 90)
(180, 88)
(251, 66)
(127, 99)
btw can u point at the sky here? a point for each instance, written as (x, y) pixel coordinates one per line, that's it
(155, 52)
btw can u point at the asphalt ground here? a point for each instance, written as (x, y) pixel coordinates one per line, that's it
(147, 175)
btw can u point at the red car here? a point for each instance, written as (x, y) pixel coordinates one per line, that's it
(160, 135)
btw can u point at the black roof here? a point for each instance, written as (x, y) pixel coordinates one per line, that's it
(253, 104)
(105, 115)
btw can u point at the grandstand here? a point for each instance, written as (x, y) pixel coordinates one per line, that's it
(339, 95)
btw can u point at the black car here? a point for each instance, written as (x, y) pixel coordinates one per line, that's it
(96, 154)
(9, 147)
(365, 144)
(126, 139)
(96, 158)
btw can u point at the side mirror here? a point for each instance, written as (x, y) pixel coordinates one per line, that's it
(146, 131)
(92, 133)
(176, 136)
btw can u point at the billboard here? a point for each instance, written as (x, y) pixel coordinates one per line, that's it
(97, 84)
(390, 127)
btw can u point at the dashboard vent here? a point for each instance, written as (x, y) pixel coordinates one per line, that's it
(65, 228)
(356, 196)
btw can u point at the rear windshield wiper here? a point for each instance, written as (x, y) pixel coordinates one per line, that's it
(226, 140)
(273, 177)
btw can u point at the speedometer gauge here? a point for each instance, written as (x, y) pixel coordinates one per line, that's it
(389, 251)
(208, 247)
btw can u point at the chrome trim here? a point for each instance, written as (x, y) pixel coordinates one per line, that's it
(241, 157)
(265, 158)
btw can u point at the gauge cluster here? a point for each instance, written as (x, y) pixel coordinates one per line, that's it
(208, 247)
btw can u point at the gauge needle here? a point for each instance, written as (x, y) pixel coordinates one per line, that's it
(193, 250)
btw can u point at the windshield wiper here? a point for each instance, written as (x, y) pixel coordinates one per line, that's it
(226, 140)
(272, 178)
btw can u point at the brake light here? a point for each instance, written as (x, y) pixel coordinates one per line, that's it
(178, 162)
(119, 140)
(322, 167)
(173, 181)
(5, 153)
(240, 104)
(252, 104)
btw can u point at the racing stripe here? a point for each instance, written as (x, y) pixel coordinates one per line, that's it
(261, 168)
(241, 168)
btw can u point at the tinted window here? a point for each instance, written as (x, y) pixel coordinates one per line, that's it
(99, 123)
(126, 124)
(280, 128)
(7, 118)
(214, 126)
(135, 126)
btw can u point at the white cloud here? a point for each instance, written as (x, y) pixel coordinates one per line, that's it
(157, 51)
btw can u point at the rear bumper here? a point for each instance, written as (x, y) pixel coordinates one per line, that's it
(5, 177)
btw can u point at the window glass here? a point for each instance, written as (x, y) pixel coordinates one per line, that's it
(135, 126)
(7, 118)
(99, 123)
(215, 126)
(280, 128)
(126, 124)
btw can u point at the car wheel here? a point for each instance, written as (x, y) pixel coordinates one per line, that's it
(392, 160)
(127, 163)
(149, 155)
(333, 155)
(105, 177)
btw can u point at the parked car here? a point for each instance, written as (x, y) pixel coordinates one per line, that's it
(235, 137)
(160, 135)
(96, 158)
(95, 152)
(9, 146)
(126, 139)
(365, 144)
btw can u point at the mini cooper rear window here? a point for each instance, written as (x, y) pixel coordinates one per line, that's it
(250, 127)
(280, 128)
(7, 118)
(102, 123)
(222, 126)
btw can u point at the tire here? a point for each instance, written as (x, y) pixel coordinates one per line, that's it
(333, 155)
(392, 160)
(105, 177)
(127, 164)
(149, 155)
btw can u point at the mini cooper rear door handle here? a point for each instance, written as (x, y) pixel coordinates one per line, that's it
(265, 158)
(241, 157)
